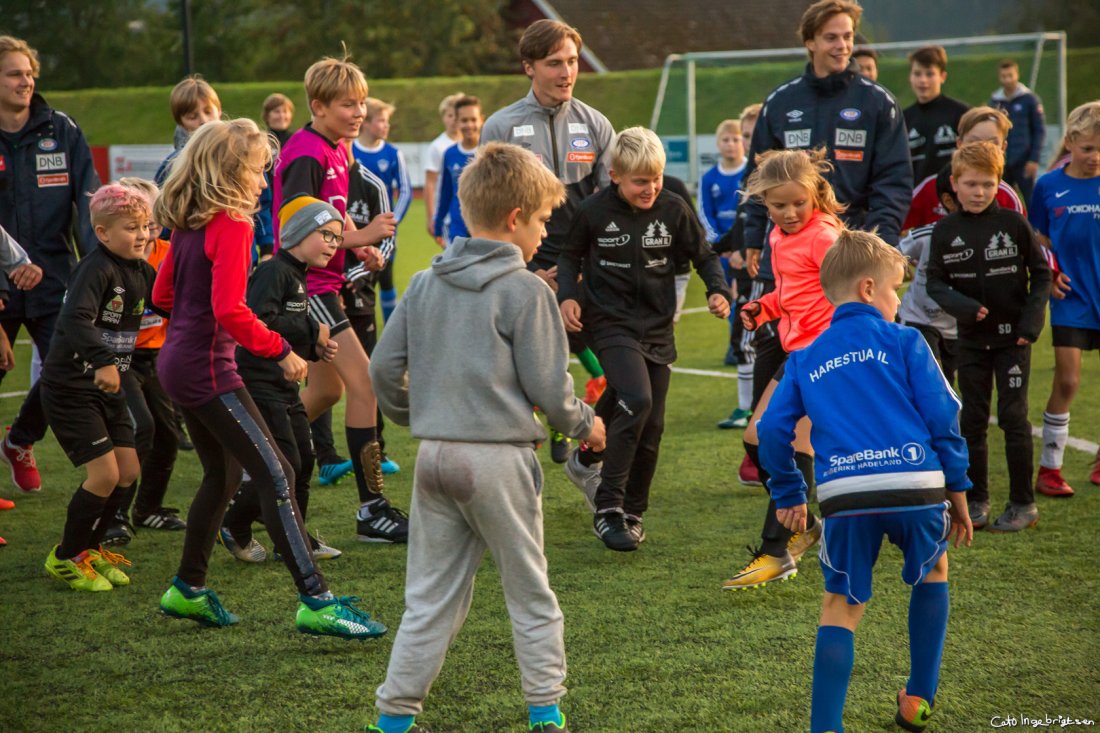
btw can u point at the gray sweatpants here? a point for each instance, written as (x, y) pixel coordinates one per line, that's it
(469, 497)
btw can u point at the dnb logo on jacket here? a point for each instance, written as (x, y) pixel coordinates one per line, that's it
(656, 235)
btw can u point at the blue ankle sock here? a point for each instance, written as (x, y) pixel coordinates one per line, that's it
(833, 659)
(544, 714)
(928, 611)
(389, 303)
(395, 723)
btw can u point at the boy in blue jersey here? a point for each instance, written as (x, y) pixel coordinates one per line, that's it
(470, 120)
(384, 160)
(898, 471)
(1065, 212)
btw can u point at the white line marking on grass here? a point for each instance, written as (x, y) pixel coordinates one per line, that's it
(9, 395)
(1085, 446)
(693, 311)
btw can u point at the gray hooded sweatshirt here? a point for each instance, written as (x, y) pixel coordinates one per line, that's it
(482, 343)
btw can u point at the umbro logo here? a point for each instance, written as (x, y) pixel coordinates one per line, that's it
(612, 227)
(1015, 370)
(958, 242)
(794, 115)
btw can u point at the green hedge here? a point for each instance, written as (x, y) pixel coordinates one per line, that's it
(140, 115)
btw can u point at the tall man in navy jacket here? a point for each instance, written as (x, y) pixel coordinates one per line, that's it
(831, 104)
(45, 173)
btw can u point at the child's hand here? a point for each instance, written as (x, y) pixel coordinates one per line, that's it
(294, 367)
(327, 351)
(718, 305)
(107, 379)
(752, 262)
(381, 227)
(322, 334)
(550, 277)
(961, 525)
(7, 356)
(26, 276)
(1059, 287)
(793, 518)
(749, 312)
(982, 313)
(736, 260)
(371, 257)
(1022, 341)
(571, 316)
(597, 439)
(439, 241)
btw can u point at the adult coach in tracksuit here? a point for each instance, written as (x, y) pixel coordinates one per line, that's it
(45, 173)
(858, 122)
(569, 137)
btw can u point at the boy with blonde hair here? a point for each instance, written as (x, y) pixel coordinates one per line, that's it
(626, 241)
(504, 337)
(315, 163)
(898, 470)
(986, 270)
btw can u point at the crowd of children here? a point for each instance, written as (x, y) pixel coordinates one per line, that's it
(254, 259)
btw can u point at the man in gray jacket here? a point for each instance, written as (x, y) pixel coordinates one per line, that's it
(474, 345)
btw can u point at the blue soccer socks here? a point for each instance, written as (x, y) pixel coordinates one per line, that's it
(833, 659)
(928, 611)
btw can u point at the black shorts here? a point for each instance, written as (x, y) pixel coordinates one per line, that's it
(328, 308)
(88, 424)
(781, 370)
(1085, 339)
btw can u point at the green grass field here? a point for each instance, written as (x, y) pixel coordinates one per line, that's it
(652, 642)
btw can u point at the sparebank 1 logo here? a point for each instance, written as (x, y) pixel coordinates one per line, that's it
(913, 453)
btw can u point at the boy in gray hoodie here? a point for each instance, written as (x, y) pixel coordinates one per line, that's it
(481, 342)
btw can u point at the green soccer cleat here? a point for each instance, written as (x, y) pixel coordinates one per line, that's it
(106, 563)
(913, 712)
(336, 617)
(414, 728)
(77, 572)
(548, 727)
(203, 606)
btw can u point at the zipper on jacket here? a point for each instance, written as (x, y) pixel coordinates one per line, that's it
(554, 144)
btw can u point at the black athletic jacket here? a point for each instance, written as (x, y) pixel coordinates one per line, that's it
(46, 173)
(277, 295)
(628, 258)
(933, 128)
(989, 259)
(99, 320)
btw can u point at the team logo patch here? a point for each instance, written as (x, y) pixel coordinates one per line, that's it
(851, 114)
(523, 131)
(323, 217)
(139, 308)
(796, 138)
(54, 179)
(854, 156)
(383, 165)
(578, 128)
(45, 162)
(47, 144)
(850, 138)
(578, 157)
(1000, 247)
(580, 143)
(656, 235)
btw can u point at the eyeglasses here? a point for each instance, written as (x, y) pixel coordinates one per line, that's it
(331, 237)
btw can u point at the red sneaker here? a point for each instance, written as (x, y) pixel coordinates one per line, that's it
(6, 504)
(748, 473)
(594, 388)
(1094, 477)
(24, 471)
(3, 542)
(1051, 483)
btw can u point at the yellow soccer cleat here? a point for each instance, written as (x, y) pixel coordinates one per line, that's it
(106, 563)
(800, 542)
(761, 570)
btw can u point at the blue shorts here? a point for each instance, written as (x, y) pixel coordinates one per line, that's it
(850, 545)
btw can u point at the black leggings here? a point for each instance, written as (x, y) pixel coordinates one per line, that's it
(155, 431)
(290, 429)
(633, 408)
(229, 434)
(30, 425)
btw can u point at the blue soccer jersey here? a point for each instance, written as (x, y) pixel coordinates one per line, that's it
(386, 161)
(454, 160)
(1066, 210)
(718, 200)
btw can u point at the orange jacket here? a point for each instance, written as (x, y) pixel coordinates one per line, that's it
(798, 300)
(154, 327)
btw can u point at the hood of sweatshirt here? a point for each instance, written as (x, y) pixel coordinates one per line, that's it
(1020, 91)
(470, 263)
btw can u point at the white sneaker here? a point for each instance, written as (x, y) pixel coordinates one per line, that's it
(587, 479)
(252, 552)
(321, 551)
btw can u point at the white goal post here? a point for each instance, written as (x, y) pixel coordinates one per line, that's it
(690, 62)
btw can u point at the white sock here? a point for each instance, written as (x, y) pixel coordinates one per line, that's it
(744, 386)
(1055, 435)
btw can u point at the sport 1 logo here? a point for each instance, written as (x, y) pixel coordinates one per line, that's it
(913, 453)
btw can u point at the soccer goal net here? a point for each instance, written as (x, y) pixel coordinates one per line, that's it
(699, 90)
